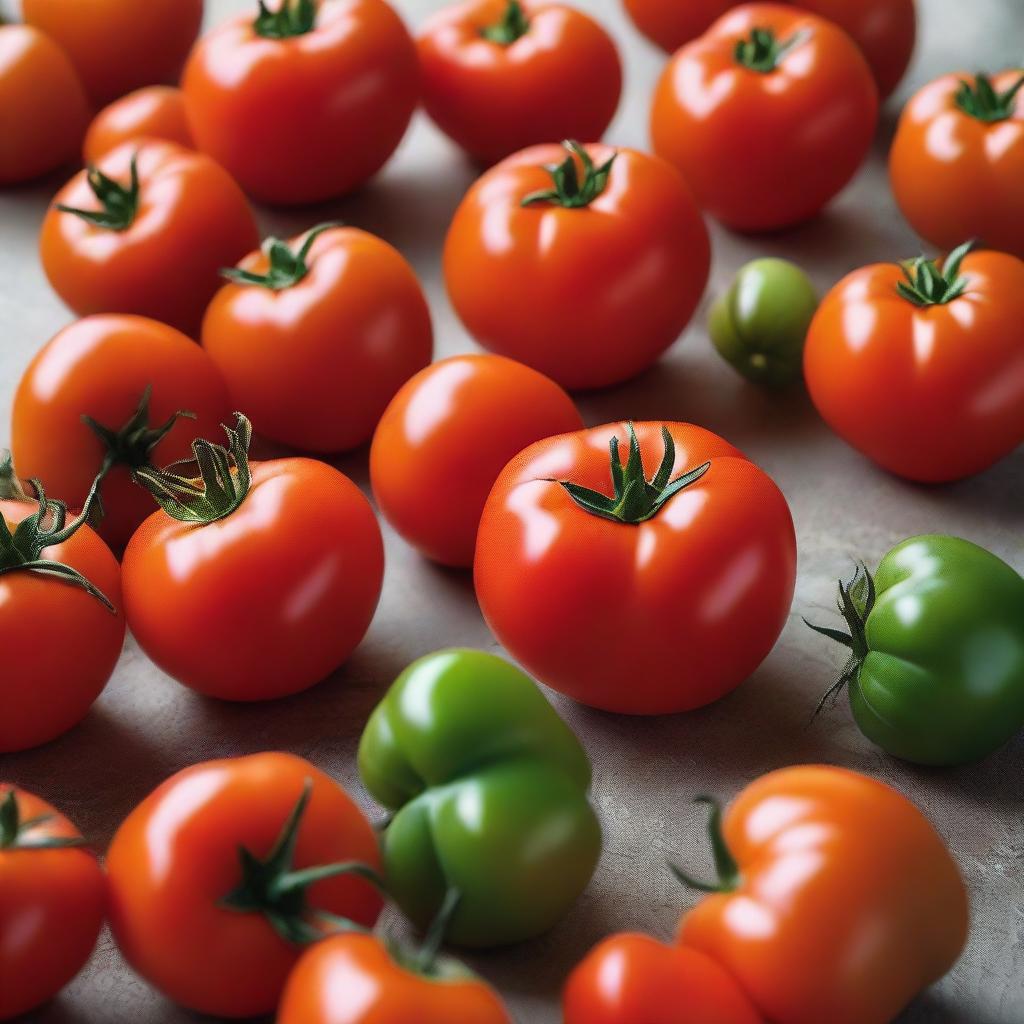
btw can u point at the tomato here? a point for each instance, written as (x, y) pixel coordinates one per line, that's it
(670, 24)
(921, 368)
(60, 600)
(450, 431)
(255, 581)
(836, 899)
(120, 45)
(154, 112)
(661, 597)
(957, 161)
(501, 75)
(225, 872)
(52, 902)
(542, 260)
(629, 978)
(768, 115)
(146, 230)
(935, 671)
(306, 102)
(130, 376)
(314, 336)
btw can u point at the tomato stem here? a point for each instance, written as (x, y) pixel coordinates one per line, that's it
(926, 285)
(513, 25)
(119, 203)
(568, 190)
(10, 485)
(286, 266)
(981, 100)
(726, 868)
(15, 834)
(291, 18)
(762, 51)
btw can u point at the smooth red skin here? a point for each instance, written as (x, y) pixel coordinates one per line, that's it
(153, 112)
(632, 979)
(588, 296)
(446, 436)
(316, 364)
(352, 979)
(267, 601)
(100, 366)
(176, 856)
(308, 118)
(662, 617)
(956, 177)
(120, 45)
(562, 80)
(44, 107)
(932, 394)
(766, 151)
(192, 221)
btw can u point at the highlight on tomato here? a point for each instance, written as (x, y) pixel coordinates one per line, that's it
(306, 101)
(314, 335)
(919, 365)
(645, 583)
(501, 75)
(152, 112)
(556, 286)
(227, 871)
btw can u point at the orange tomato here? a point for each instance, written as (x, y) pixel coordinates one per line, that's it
(450, 431)
(154, 112)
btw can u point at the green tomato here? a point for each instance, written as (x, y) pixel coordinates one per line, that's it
(489, 789)
(760, 323)
(936, 670)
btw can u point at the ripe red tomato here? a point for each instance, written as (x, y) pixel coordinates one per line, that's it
(922, 369)
(146, 231)
(501, 75)
(130, 375)
(315, 335)
(222, 875)
(768, 115)
(450, 431)
(153, 112)
(306, 102)
(586, 268)
(643, 592)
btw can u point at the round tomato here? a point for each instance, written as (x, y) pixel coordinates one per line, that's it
(768, 115)
(632, 590)
(586, 268)
(119, 45)
(957, 161)
(255, 581)
(450, 431)
(314, 336)
(670, 24)
(222, 875)
(922, 369)
(153, 112)
(500, 75)
(305, 102)
(129, 377)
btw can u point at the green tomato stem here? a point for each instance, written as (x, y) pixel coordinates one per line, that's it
(569, 191)
(980, 99)
(119, 203)
(926, 285)
(287, 267)
(513, 25)
(726, 868)
(291, 18)
(762, 51)
(16, 834)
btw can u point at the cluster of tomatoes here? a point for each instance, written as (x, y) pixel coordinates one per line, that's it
(640, 568)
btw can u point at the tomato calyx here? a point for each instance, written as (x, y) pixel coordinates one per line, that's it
(287, 267)
(726, 868)
(981, 100)
(291, 18)
(926, 285)
(513, 25)
(427, 961)
(16, 834)
(569, 191)
(119, 203)
(762, 51)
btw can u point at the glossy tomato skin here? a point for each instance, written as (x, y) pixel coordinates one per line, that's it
(450, 431)
(192, 220)
(45, 109)
(315, 364)
(956, 369)
(283, 115)
(669, 24)
(154, 112)
(100, 366)
(560, 80)
(295, 572)
(548, 285)
(52, 905)
(766, 150)
(175, 858)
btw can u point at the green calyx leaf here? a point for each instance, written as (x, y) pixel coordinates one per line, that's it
(569, 191)
(762, 51)
(16, 834)
(636, 499)
(287, 266)
(926, 285)
(513, 26)
(291, 18)
(979, 99)
(726, 868)
(427, 961)
(119, 203)
(10, 485)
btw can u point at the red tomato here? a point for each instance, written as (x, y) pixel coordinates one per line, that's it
(768, 115)
(154, 112)
(922, 370)
(590, 280)
(151, 240)
(260, 584)
(314, 336)
(450, 431)
(304, 103)
(500, 75)
(661, 597)
(208, 899)
(103, 367)
(670, 24)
